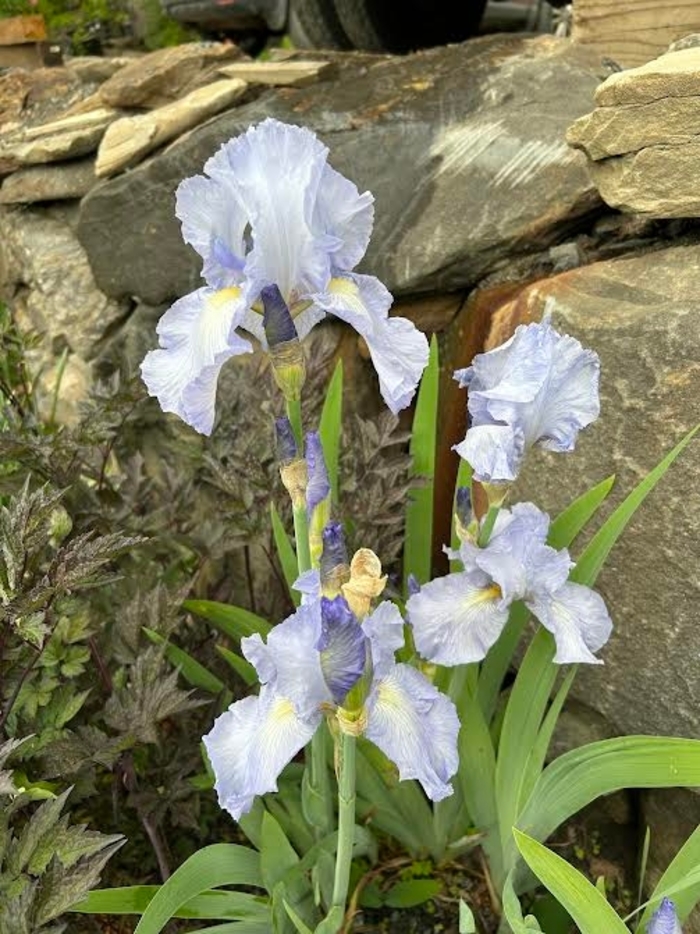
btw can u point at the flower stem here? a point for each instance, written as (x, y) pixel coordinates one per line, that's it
(294, 416)
(487, 527)
(346, 819)
(301, 538)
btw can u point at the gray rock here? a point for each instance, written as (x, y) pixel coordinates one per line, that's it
(58, 182)
(45, 273)
(463, 148)
(640, 315)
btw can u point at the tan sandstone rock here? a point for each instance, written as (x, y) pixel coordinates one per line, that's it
(642, 139)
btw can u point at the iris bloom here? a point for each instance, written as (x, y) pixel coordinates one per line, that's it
(269, 210)
(457, 618)
(307, 667)
(665, 920)
(540, 387)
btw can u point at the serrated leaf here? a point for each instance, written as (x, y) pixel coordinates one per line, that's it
(41, 823)
(191, 670)
(61, 888)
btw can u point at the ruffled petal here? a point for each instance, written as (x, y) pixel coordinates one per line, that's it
(290, 660)
(457, 618)
(197, 335)
(250, 744)
(665, 920)
(384, 629)
(308, 585)
(274, 170)
(345, 215)
(495, 452)
(577, 618)
(399, 351)
(213, 223)
(416, 727)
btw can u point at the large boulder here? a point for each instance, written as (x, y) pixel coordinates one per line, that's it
(45, 276)
(640, 314)
(463, 148)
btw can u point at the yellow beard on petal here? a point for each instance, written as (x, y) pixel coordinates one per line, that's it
(223, 296)
(487, 595)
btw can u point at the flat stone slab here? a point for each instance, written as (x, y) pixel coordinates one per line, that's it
(294, 74)
(58, 182)
(676, 74)
(128, 140)
(427, 133)
(165, 75)
(53, 142)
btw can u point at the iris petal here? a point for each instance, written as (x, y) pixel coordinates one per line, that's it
(197, 335)
(456, 619)
(577, 618)
(273, 171)
(289, 659)
(665, 920)
(399, 351)
(384, 629)
(540, 387)
(250, 744)
(416, 727)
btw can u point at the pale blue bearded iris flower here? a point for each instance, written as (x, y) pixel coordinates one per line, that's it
(540, 387)
(665, 920)
(457, 618)
(271, 211)
(307, 667)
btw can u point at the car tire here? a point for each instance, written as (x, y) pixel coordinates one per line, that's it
(390, 26)
(314, 24)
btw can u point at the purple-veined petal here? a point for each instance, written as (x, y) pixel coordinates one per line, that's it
(344, 214)
(384, 629)
(457, 618)
(274, 170)
(250, 744)
(416, 727)
(213, 223)
(342, 646)
(289, 659)
(197, 335)
(577, 618)
(665, 920)
(399, 351)
(495, 452)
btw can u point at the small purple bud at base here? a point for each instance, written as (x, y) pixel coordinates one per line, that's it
(277, 321)
(335, 570)
(286, 444)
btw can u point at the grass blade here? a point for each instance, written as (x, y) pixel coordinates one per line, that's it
(331, 426)
(233, 621)
(419, 511)
(286, 553)
(588, 908)
(191, 670)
